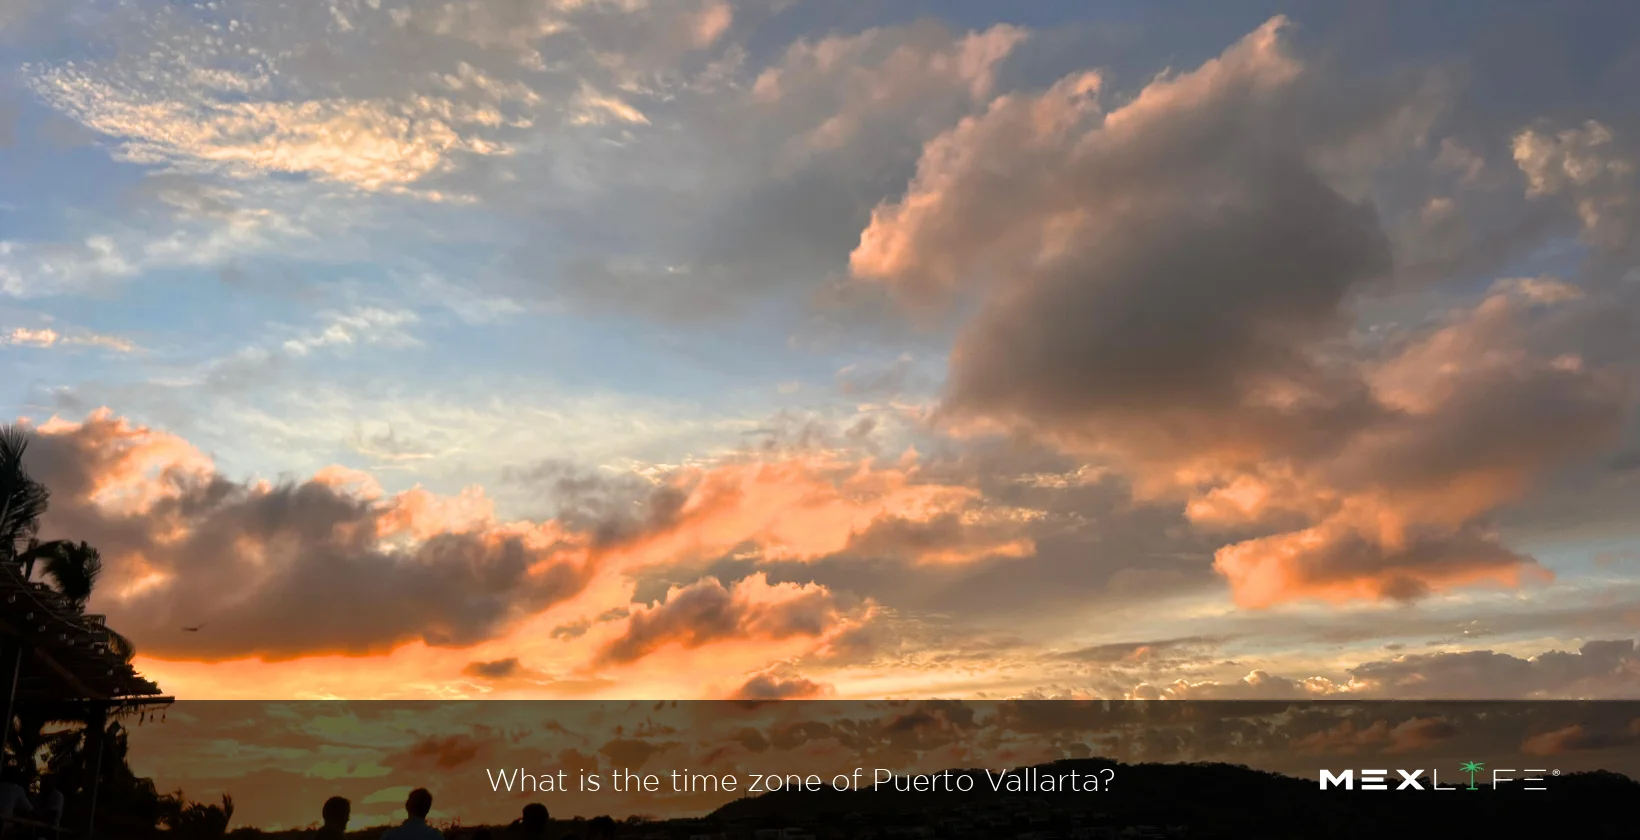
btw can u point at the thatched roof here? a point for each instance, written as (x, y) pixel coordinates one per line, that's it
(73, 657)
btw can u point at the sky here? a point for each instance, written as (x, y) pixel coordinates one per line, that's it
(768, 349)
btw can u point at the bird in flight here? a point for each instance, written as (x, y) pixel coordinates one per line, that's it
(193, 629)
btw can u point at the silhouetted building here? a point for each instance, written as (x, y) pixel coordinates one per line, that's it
(57, 663)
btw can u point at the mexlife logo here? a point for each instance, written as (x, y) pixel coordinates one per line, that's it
(1414, 779)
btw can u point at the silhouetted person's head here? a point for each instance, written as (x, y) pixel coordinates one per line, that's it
(601, 828)
(419, 803)
(535, 818)
(337, 811)
(481, 834)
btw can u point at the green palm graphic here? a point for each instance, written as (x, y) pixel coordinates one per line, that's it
(1471, 768)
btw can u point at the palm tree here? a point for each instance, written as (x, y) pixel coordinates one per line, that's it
(72, 567)
(129, 804)
(22, 499)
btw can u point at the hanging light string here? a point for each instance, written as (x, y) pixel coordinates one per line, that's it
(31, 593)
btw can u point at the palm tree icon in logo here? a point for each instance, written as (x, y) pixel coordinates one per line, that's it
(1471, 768)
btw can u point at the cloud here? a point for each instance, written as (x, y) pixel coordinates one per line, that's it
(25, 337)
(1585, 163)
(951, 538)
(48, 337)
(1181, 292)
(841, 87)
(809, 507)
(1257, 685)
(422, 100)
(1411, 735)
(370, 145)
(1169, 287)
(301, 124)
(1579, 738)
(1597, 670)
(1339, 562)
(208, 111)
(1478, 418)
(366, 325)
(1163, 652)
(175, 237)
(708, 612)
(793, 157)
(772, 687)
(374, 571)
(499, 669)
(1074, 217)
(186, 546)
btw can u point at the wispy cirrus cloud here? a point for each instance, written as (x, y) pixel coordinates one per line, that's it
(46, 337)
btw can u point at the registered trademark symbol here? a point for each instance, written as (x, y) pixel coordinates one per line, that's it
(1554, 773)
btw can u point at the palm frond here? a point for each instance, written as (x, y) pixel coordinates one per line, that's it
(120, 645)
(22, 499)
(73, 569)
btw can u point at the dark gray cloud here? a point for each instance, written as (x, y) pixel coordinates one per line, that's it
(1189, 648)
(707, 611)
(498, 669)
(1597, 670)
(771, 687)
(1214, 258)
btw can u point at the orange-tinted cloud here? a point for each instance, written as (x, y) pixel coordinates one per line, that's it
(280, 571)
(807, 508)
(1335, 562)
(335, 565)
(1168, 287)
(1473, 418)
